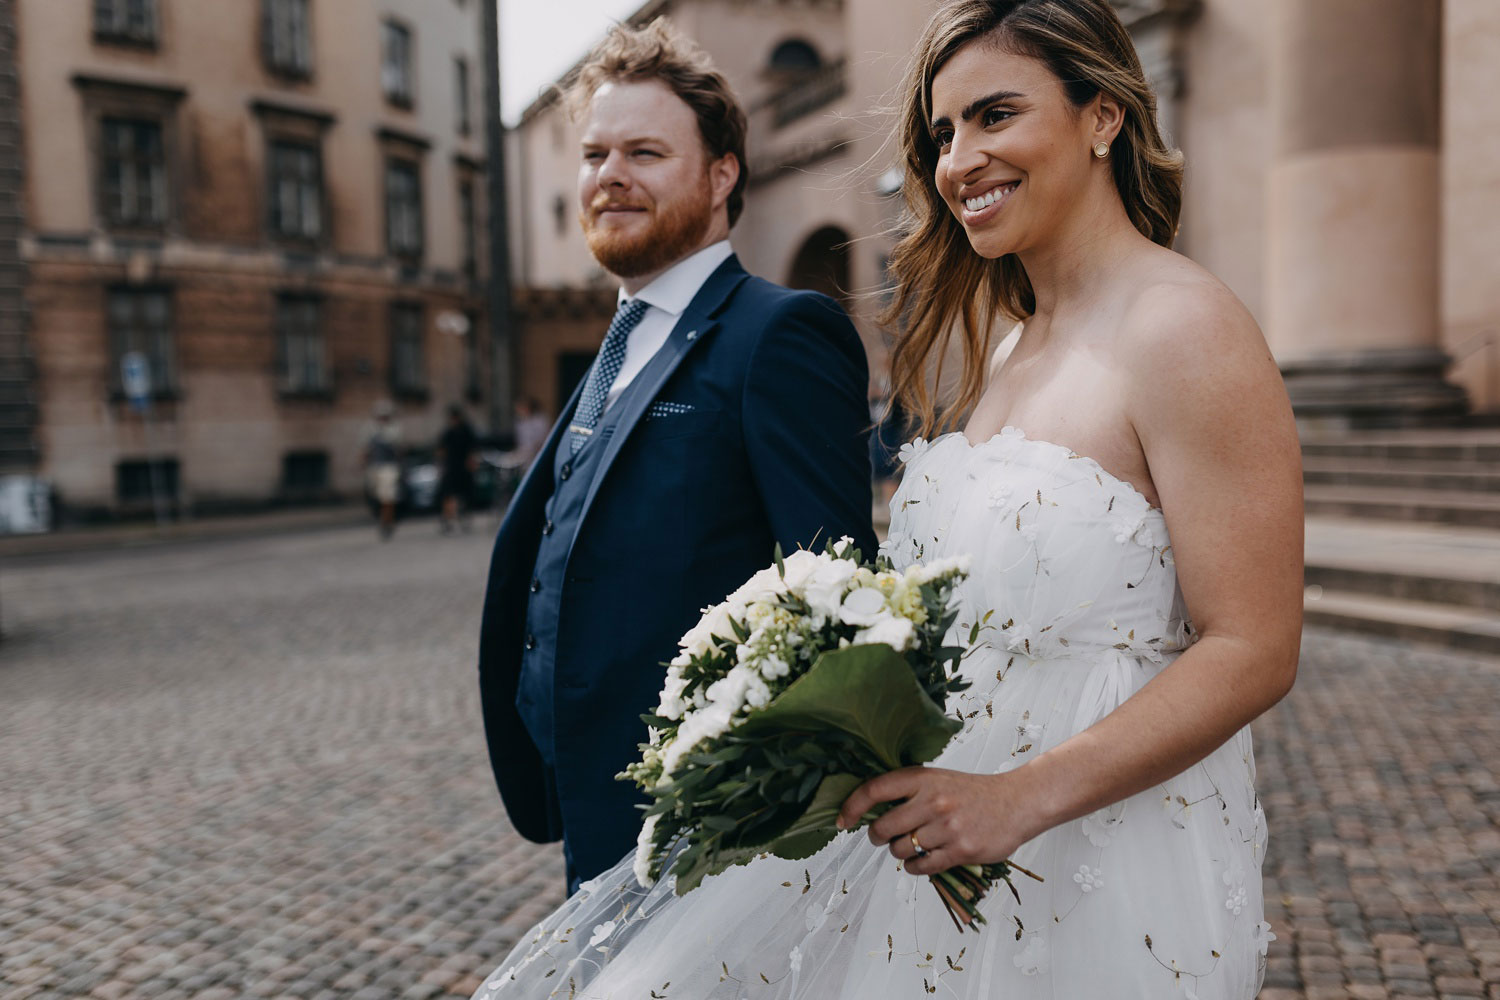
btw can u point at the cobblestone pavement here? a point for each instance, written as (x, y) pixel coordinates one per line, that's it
(1378, 774)
(255, 768)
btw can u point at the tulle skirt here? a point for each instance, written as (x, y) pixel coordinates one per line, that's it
(1156, 896)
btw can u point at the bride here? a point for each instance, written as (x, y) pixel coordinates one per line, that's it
(1127, 483)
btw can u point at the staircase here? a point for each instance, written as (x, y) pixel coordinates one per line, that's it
(1403, 535)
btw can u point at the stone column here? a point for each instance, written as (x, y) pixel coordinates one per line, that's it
(1354, 212)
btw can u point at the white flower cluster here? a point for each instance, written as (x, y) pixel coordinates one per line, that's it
(765, 635)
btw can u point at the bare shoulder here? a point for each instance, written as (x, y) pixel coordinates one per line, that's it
(1184, 319)
(1198, 370)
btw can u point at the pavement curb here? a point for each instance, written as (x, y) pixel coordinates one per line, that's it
(128, 536)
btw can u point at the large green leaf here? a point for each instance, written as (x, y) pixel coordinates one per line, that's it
(694, 866)
(868, 692)
(814, 828)
(807, 835)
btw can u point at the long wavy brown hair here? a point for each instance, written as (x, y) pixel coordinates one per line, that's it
(942, 286)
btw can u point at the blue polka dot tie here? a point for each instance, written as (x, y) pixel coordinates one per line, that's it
(603, 372)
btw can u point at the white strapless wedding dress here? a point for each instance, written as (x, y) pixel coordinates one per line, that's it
(1154, 897)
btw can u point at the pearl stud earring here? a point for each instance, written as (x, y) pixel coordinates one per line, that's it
(1101, 149)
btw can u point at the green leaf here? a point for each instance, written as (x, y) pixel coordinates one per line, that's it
(780, 562)
(815, 827)
(869, 692)
(724, 824)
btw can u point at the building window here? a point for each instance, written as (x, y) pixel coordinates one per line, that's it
(466, 224)
(141, 320)
(139, 482)
(461, 94)
(403, 208)
(287, 37)
(395, 64)
(301, 358)
(134, 173)
(304, 474)
(296, 173)
(131, 21)
(408, 370)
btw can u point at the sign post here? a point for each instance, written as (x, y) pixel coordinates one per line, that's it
(135, 379)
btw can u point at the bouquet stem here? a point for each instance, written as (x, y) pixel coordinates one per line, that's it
(961, 888)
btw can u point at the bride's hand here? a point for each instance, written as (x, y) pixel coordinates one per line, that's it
(958, 818)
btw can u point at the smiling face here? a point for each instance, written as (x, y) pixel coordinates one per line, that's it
(648, 195)
(1014, 154)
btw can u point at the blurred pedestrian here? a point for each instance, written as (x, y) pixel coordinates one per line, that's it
(458, 454)
(531, 430)
(382, 461)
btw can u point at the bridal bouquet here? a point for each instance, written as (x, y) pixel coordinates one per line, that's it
(819, 673)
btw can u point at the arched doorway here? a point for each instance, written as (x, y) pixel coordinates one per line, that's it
(822, 263)
(794, 57)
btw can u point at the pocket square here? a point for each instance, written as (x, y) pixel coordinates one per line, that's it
(664, 409)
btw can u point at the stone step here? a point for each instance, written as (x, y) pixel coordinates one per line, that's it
(1471, 508)
(1413, 474)
(1472, 629)
(1477, 444)
(1483, 595)
(1422, 562)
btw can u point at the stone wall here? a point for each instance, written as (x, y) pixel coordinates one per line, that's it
(229, 427)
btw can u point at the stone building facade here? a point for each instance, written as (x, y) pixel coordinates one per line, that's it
(1343, 179)
(280, 204)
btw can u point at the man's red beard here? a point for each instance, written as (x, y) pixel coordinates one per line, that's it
(675, 232)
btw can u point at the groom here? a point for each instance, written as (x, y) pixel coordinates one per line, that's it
(722, 416)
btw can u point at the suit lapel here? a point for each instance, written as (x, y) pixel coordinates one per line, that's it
(697, 323)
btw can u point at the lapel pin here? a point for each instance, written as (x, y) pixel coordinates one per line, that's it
(692, 335)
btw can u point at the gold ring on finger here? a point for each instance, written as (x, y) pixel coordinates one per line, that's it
(917, 845)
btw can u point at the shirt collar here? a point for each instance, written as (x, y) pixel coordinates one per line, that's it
(674, 288)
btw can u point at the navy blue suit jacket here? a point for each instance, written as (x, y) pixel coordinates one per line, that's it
(684, 508)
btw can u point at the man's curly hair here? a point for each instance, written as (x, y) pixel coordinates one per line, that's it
(660, 52)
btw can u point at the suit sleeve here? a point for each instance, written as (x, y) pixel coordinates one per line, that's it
(806, 425)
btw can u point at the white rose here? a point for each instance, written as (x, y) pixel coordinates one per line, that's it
(898, 633)
(825, 587)
(800, 566)
(717, 623)
(762, 587)
(863, 607)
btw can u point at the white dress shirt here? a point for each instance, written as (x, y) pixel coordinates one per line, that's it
(666, 298)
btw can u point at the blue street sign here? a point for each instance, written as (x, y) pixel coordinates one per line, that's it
(135, 378)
